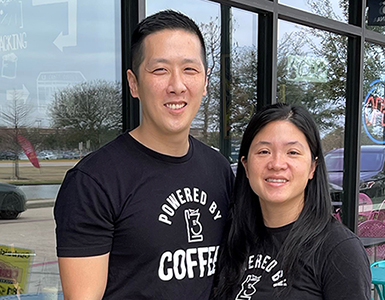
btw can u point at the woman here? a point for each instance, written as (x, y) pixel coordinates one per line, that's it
(282, 241)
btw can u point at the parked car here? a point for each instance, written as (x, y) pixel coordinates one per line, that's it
(372, 172)
(12, 201)
(46, 154)
(7, 155)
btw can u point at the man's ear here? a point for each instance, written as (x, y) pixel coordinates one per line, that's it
(206, 81)
(133, 83)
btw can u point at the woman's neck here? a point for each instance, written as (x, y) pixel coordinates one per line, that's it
(277, 214)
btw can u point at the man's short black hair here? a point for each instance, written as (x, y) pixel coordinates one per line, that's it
(166, 19)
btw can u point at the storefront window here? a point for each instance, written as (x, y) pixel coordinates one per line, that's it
(60, 98)
(372, 177)
(331, 9)
(375, 16)
(312, 72)
(244, 55)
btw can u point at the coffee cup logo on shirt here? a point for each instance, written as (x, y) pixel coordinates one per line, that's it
(194, 227)
(248, 287)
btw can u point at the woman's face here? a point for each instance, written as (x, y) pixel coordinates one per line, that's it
(279, 165)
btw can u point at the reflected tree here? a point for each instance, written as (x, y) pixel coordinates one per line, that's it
(89, 111)
(15, 115)
(243, 88)
(207, 118)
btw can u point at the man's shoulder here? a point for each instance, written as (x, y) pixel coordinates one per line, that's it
(210, 151)
(112, 153)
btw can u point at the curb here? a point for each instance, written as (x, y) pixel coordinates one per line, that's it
(38, 203)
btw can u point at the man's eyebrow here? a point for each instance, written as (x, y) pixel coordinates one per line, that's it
(185, 60)
(191, 60)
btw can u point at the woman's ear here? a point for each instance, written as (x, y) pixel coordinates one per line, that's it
(313, 168)
(244, 163)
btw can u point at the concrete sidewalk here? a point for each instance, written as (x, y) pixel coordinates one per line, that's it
(37, 203)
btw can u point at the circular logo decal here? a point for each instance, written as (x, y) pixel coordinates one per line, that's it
(373, 112)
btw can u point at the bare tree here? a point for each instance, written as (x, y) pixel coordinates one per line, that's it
(15, 115)
(208, 114)
(88, 110)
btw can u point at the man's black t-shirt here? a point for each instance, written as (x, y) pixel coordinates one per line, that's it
(160, 217)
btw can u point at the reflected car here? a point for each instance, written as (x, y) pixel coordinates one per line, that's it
(45, 154)
(12, 201)
(234, 167)
(372, 172)
(7, 155)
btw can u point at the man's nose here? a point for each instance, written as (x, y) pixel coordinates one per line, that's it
(176, 83)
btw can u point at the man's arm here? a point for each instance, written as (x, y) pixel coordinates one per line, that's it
(83, 278)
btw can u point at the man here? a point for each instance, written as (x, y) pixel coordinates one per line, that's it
(142, 217)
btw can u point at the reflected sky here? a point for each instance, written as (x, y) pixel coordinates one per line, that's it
(73, 39)
(57, 38)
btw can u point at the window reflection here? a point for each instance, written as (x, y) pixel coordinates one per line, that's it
(331, 9)
(372, 175)
(243, 75)
(312, 72)
(375, 16)
(60, 98)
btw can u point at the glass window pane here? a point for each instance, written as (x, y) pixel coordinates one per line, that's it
(60, 98)
(331, 9)
(312, 72)
(375, 16)
(244, 55)
(372, 177)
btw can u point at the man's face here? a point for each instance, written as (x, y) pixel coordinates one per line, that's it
(171, 81)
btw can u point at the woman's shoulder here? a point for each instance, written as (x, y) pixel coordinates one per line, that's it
(338, 236)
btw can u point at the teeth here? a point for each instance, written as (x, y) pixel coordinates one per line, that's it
(276, 180)
(175, 106)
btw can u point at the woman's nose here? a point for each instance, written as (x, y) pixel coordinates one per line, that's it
(277, 162)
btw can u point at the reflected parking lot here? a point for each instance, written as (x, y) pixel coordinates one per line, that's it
(35, 231)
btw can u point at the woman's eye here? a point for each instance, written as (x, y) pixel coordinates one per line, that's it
(263, 152)
(293, 152)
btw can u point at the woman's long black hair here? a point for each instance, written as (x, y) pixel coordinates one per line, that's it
(245, 226)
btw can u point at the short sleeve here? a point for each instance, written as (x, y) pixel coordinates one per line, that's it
(346, 272)
(83, 215)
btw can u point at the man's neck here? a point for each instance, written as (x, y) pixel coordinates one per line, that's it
(173, 145)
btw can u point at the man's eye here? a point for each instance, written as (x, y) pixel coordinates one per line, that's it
(159, 70)
(191, 70)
